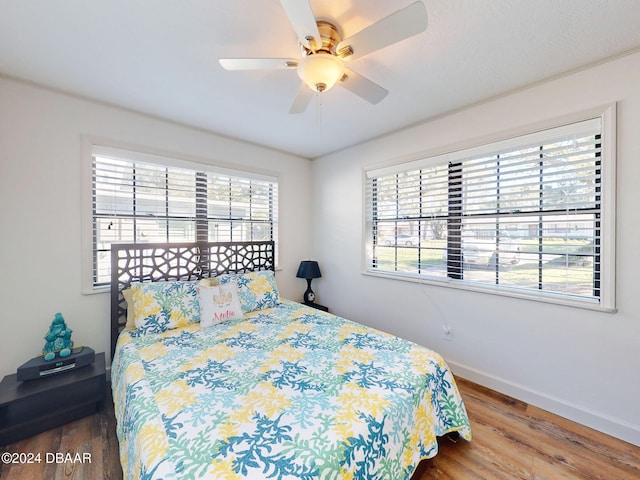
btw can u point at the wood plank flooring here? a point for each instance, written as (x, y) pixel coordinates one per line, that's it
(511, 440)
(514, 440)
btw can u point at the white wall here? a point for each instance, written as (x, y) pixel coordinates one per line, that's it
(41, 203)
(582, 364)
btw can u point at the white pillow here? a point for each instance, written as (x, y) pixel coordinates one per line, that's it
(218, 304)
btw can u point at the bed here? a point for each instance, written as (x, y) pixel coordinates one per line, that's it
(278, 391)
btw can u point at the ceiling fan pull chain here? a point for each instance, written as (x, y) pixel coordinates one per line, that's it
(319, 112)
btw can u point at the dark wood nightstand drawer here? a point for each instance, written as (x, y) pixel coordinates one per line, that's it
(31, 407)
(317, 306)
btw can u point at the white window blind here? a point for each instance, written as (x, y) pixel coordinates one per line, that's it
(140, 198)
(521, 216)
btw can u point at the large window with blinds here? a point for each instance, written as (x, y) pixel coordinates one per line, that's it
(140, 198)
(522, 217)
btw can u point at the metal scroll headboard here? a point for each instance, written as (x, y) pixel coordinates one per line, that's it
(152, 262)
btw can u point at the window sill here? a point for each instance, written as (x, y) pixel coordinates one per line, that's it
(503, 291)
(95, 290)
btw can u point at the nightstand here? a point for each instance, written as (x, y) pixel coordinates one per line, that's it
(33, 406)
(317, 305)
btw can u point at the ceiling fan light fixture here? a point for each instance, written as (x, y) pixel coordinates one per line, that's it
(320, 71)
(323, 50)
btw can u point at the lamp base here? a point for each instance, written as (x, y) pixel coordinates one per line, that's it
(309, 296)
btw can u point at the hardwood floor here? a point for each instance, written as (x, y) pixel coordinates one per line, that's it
(511, 440)
(94, 435)
(514, 440)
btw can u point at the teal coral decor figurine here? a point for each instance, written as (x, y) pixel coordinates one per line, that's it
(58, 339)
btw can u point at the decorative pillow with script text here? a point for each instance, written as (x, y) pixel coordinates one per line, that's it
(218, 304)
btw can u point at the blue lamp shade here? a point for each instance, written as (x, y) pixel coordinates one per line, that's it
(308, 269)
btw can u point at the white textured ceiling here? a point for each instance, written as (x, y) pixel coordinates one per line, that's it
(160, 57)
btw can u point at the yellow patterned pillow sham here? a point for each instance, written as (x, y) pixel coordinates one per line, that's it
(163, 306)
(257, 290)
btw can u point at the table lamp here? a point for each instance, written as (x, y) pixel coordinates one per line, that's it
(309, 270)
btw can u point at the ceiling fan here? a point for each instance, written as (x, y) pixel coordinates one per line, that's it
(324, 53)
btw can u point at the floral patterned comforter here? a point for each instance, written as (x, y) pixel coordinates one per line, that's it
(286, 393)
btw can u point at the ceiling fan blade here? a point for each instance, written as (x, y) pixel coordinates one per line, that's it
(303, 20)
(400, 25)
(363, 87)
(257, 63)
(303, 97)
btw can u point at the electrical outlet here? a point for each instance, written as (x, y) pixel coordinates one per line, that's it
(447, 334)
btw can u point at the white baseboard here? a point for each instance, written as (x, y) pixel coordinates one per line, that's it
(602, 422)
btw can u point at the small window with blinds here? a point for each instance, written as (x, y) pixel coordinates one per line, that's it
(140, 198)
(521, 217)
